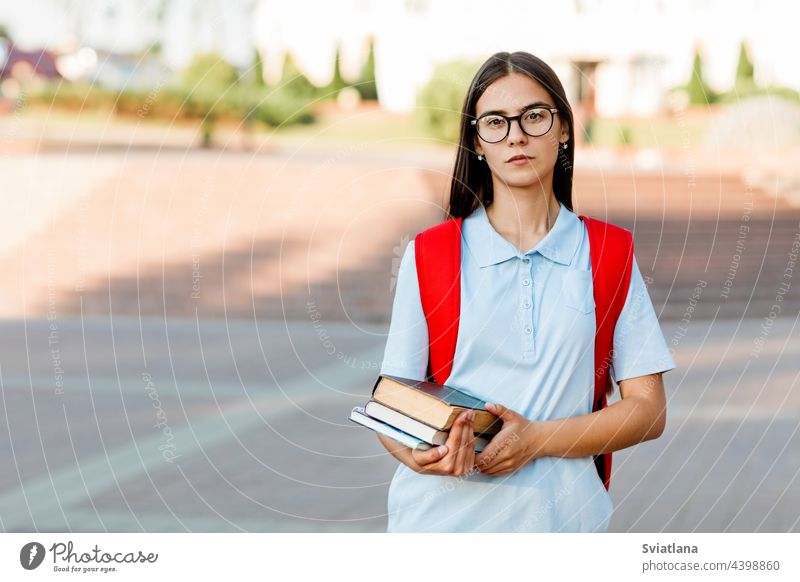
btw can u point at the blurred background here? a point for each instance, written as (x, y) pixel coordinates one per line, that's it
(205, 205)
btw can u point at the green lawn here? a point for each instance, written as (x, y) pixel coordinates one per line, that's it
(370, 127)
(651, 132)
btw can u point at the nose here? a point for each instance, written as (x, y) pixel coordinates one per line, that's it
(515, 134)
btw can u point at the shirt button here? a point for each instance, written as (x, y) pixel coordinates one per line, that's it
(526, 282)
(526, 260)
(526, 304)
(527, 330)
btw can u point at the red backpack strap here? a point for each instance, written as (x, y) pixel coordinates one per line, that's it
(611, 250)
(438, 260)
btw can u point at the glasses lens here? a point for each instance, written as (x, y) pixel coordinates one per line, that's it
(536, 122)
(492, 128)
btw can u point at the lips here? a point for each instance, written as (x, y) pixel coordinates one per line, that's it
(519, 157)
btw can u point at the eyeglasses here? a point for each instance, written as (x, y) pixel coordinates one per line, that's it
(494, 127)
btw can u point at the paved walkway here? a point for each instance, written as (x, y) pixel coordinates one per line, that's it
(197, 425)
(233, 235)
(250, 293)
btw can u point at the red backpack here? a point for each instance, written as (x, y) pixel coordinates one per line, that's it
(438, 261)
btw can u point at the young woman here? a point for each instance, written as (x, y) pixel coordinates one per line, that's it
(526, 332)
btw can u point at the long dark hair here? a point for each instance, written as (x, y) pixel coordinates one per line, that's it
(472, 179)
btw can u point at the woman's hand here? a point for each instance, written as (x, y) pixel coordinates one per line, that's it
(454, 458)
(512, 447)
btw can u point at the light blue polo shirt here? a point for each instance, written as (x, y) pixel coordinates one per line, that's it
(525, 340)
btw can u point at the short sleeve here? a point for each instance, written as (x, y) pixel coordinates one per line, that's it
(639, 345)
(406, 353)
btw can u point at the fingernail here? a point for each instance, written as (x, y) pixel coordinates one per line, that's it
(442, 449)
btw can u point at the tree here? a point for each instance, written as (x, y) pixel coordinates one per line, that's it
(698, 91)
(258, 65)
(209, 72)
(366, 84)
(337, 83)
(294, 82)
(440, 99)
(745, 81)
(207, 82)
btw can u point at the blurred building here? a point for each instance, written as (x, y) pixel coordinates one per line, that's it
(16, 63)
(624, 53)
(617, 57)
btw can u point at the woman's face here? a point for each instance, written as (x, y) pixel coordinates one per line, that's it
(509, 95)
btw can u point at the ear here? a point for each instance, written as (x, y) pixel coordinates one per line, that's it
(564, 138)
(476, 147)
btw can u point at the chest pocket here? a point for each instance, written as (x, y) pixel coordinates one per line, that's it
(578, 291)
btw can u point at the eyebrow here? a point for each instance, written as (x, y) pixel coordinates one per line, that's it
(521, 109)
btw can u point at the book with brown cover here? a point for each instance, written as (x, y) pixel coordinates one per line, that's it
(436, 405)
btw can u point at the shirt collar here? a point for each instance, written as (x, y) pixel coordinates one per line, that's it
(489, 248)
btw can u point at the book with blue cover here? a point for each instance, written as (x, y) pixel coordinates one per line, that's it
(414, 427)
(358, 415)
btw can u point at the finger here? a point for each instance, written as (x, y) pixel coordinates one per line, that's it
(503, 473)
(432, 455)
(495, 457)
(499, 469)
(454, 438)
(470, 464)
(459, 455)
(489, 454)
(466, 437)
(462, 449)
(500, 410)
(471, 445)
(483, 457)
(486, 465)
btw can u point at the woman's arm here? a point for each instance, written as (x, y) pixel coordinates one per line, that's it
(399, 451)
(640, 357)
(639, 416)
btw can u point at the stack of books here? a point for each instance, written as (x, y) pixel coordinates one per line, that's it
(419, 414)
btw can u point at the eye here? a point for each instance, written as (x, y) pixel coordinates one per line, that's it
(533, 115)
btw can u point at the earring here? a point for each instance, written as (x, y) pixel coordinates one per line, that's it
(480, 157)
(564, 145)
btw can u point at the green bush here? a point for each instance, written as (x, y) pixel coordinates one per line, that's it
(440, 101)
(745, 85)
(76, 97)
(209, 90)
(274, 107)
(209, 72)
(625, 136)
(742, 91)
